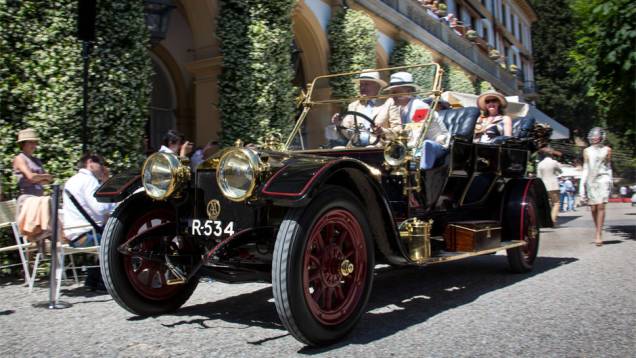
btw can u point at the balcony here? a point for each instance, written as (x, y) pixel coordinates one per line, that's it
(462, 51)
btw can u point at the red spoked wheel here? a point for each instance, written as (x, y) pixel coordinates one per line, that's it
(521, 259)
(335, 263)
(322, 267)
(145, 268)
(134, 259)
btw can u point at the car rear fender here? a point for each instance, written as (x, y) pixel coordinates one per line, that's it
(515, 195)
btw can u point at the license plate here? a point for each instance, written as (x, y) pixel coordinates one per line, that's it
(211, 228)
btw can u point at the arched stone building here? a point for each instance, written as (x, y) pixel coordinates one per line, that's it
(188, 61)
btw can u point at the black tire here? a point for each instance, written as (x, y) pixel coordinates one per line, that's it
(521, 259)
(321, 310)
(123, 274)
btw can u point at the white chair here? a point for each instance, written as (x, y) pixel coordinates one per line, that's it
(24, 249)
(7, 218)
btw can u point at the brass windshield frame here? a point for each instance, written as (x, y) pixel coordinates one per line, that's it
(308, 102)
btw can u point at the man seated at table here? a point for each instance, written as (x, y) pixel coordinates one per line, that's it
(78, 228)
(413, 112)
(379, 110)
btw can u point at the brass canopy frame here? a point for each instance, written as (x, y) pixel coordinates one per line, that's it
(309, 101)
(179, 174)
(256, 165)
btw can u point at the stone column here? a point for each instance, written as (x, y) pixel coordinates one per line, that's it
(206, 98)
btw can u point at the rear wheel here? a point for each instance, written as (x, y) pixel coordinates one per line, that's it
(140, 280)
(521, 259)
(323, 268)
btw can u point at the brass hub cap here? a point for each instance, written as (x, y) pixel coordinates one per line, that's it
(346, 268)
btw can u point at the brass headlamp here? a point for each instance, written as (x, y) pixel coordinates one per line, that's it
(163, 175)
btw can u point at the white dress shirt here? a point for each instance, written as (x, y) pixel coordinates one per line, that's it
(83, 185)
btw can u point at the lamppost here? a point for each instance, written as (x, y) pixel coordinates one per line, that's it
(157, 15)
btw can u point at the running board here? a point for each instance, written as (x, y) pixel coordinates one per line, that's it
(453, 256)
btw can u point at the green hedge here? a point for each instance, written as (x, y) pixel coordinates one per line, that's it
(256, 92)
(455, 79)
(483, 86)
(352, 42)
(406, 54)
(41, 86)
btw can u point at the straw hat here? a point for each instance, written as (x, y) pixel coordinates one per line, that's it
(402, 79)
(28, 134)
(373, 76)
(481, 100)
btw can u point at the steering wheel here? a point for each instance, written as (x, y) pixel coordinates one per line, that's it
(359, 132)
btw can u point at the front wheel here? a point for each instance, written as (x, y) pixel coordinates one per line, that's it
(140, 280)
(323, 268)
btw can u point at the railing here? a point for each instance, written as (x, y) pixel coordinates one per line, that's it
(412, 10)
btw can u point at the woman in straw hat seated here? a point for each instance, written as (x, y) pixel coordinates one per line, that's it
(31, 176)
(493, 122)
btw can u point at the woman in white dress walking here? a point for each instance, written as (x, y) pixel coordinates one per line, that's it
(596, 182)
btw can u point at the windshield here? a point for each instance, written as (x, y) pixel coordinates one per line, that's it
(365, 109)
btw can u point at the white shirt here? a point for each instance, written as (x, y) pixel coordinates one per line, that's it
(548, 170)
(83, 185)
(165, 149)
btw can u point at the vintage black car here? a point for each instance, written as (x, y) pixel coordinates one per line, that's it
(314, 217)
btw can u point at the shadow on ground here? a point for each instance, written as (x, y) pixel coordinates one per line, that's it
(626, 232)
(563, 220)
(401, 297)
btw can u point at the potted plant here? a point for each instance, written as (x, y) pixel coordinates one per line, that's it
(471, 35)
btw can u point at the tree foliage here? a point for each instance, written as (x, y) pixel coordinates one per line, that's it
(352, 39)
(256, 92)
(406, 54)
(605, 61)
(561, 95)
(41, 83)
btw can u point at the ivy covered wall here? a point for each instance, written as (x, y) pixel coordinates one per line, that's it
(256, 94)
(456, 80)
(352, 40)
(406, 54)
(41, 83)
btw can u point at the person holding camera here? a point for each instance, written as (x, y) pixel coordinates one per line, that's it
(174, 142)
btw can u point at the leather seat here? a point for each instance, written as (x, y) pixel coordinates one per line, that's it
(522, 130)
(460, 122)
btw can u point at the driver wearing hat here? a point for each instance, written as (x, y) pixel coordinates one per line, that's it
(383, 114)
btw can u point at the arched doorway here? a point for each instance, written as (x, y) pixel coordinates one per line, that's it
(162, 106)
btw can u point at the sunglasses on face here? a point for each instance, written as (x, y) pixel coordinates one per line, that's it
(492, 101)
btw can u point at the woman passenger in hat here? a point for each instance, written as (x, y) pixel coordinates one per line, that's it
(493, 122)
(27, 168)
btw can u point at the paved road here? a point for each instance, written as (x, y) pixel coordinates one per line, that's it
(580, 301)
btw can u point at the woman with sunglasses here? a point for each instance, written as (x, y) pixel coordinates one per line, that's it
(493, 122)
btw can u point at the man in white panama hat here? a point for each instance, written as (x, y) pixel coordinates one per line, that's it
(380, 111)
(413, 114)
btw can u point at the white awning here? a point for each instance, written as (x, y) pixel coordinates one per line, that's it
(559, 131)
(570, 171)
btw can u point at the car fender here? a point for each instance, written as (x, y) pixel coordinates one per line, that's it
(118, 187)
(515, 195)
(296, 183)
